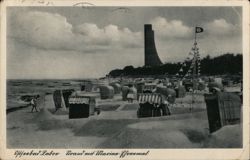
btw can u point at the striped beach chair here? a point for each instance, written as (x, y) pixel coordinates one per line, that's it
(152, 105)
(152, 98)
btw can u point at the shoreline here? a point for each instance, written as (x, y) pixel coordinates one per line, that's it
(13, 109)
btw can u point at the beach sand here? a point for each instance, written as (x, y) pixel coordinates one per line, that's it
(118, 127)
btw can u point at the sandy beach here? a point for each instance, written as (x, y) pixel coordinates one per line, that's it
(117, 126)
(146, 80)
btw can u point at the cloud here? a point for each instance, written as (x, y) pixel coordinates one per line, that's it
(170, 29)
(109, 35)
(52, 31)
(221, 28)
(42, 30)
(175, 29)
(174, 39)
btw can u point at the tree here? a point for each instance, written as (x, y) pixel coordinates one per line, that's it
(223, 64)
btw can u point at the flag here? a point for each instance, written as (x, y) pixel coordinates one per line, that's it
(198, 29)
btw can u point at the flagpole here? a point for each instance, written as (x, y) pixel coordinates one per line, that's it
(194, 68)
(195, 35)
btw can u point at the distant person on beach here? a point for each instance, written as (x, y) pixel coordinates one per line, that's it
(33, 103)
(131, 93)
(164, 108)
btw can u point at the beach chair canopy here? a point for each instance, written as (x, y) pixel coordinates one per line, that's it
(80, 97)
(106, 92)
(152, 98)
(149, 86)
(58, 99)
(78, 100)
(212, 85)
(117, 87)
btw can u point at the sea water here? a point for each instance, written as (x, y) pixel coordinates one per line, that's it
(18, 88)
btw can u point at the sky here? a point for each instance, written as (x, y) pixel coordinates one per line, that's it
(76, 42)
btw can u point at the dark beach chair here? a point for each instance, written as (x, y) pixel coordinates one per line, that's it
(152, 105)
(223, 108)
